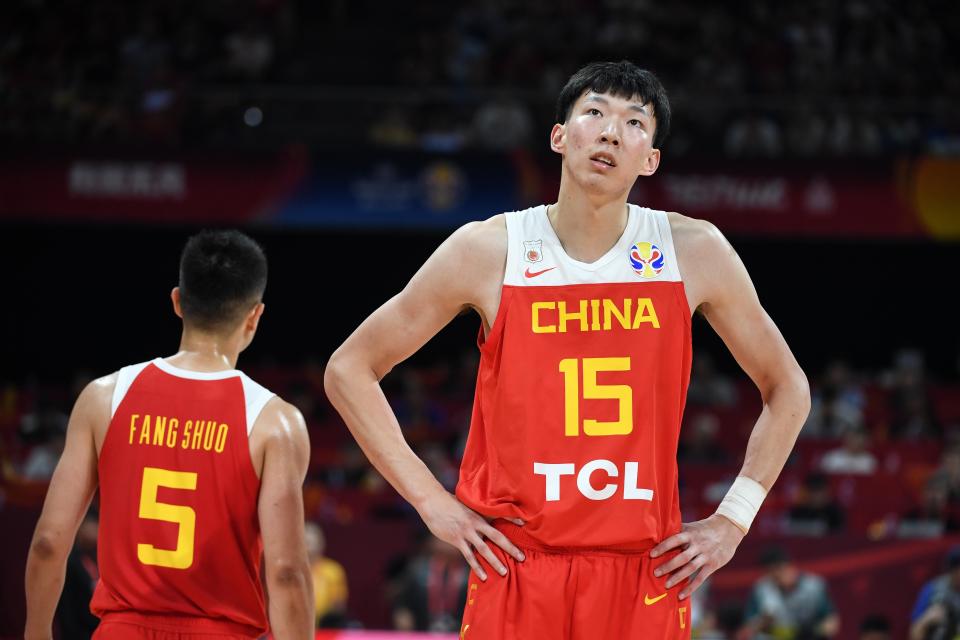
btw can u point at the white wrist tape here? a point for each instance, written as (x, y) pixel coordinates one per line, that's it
(742, 502)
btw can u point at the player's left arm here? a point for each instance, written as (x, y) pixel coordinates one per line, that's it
(724, 293)
(68, 497)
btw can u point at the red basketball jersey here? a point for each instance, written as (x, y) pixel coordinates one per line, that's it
(179, 532)
(581, 389)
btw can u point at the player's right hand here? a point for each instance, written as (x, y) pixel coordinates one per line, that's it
(448, 519)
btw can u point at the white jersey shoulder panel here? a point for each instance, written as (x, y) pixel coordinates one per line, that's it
(535, 257)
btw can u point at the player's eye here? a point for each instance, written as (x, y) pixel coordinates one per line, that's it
(635, 123)
(594, 112)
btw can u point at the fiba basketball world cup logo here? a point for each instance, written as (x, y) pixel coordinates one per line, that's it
(646, 259)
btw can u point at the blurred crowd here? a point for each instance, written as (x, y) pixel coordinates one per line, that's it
(754, 79)
(879, 458)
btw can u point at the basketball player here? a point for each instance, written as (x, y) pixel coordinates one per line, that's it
(200, 469)
(570, 465)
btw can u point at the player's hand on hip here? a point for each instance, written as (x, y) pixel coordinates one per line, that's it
(448, 519)
(705, 546)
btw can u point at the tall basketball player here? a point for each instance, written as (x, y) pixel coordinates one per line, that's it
(200, 470)
(570, 466)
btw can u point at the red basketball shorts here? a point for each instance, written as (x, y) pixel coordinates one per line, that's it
(583, 595)
(135, 626)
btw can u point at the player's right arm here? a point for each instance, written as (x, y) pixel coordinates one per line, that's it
(68, 497)
(463, 273)
(286, 455)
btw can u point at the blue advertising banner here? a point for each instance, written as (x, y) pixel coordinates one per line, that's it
(403, 190)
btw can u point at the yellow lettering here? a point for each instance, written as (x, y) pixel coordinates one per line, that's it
(565, 316)
(645, 313)
(221, 438)
(535, 311)
(610, 309)
(197, 434)
(172, 432)
(184, 517)
(159, 426)
(133, 425)
(570, 369)
(145, 430)
(595, 315)
(208, 435)
(622, 393)
(186, 434)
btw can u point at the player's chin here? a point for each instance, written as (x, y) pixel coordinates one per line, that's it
(598, 182)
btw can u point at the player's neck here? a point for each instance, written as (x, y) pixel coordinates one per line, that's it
(206, 352)
(587, 228)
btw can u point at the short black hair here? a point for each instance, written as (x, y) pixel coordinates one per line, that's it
(773, 556)
(875, 622)
(222, 275)
(624, 80)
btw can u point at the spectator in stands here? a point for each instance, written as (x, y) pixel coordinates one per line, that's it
(949, 473)
(837, 403)
(913, 417)
(433, 590)
(806, 133)
(789, 603)
(502, 124)
(936, 613)
(933, 516)
(815, 512)
(249, 51)
(45, 429)
(853, 457)
(329, 580)
(699, 443)
(394, 129)
(73, 611)
(875, 627)
(755, 136)
(708, 387)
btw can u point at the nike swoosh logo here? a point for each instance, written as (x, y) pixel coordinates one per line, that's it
(647, 600)
(534, 274)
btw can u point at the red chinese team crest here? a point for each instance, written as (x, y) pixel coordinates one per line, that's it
(532, 250)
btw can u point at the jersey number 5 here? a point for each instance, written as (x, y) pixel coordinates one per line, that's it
(185, 517)
(570, 368)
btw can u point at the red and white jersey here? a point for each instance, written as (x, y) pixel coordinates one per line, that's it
(581, 389)
(179, 531)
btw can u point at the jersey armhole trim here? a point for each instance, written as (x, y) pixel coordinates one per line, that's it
(666, 233)
(125, 378)
(256, 398)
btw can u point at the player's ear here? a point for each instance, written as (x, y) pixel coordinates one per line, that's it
(253, 318)
(175, 297)
(650, 163)
(558, 141)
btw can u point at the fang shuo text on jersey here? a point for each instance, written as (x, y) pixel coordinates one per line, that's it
(173, 433)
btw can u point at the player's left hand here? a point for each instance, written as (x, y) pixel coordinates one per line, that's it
(706, 545)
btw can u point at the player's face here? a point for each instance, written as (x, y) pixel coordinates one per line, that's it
(607, 142)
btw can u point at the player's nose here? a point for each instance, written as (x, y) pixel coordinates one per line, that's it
(610, 136)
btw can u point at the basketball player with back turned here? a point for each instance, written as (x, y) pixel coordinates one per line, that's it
(200, 471)
(570, 466)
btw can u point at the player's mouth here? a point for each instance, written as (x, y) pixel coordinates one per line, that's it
(603, 160)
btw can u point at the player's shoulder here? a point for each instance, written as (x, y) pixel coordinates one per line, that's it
(698, 242)
(488, 236)
(280, 419)
(474, 251)
(694, 232)
(98, 393)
